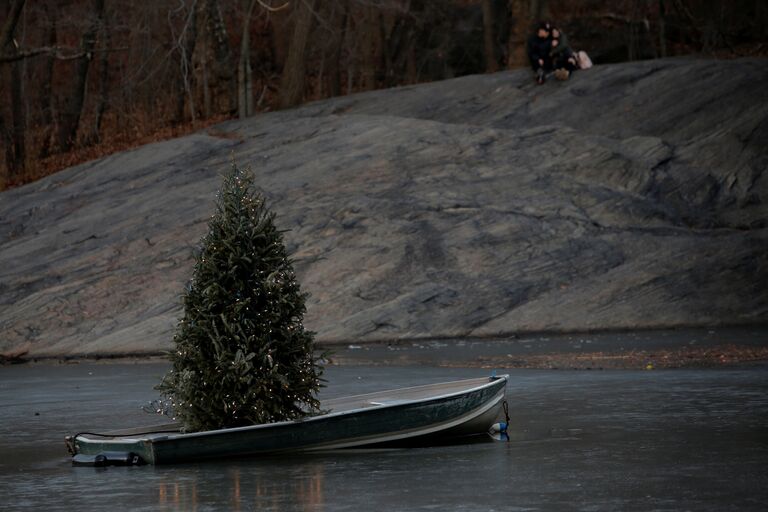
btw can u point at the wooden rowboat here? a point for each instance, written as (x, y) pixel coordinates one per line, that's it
(417, 414)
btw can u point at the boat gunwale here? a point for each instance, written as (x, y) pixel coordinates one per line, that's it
(400, 435)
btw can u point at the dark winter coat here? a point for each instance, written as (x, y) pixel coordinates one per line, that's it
(563, 49)
(539, 48)
(561, 53)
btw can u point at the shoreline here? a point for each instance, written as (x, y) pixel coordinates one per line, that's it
(692, 347)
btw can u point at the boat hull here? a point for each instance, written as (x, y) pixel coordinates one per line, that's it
(376, 423)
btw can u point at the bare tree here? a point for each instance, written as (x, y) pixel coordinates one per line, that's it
(662, 29)
(46, 94)
(9, 27)
(293, 78)
(244, 70)
(222, 63)
(72, 104)
(489, 37)
(397, 42)
(183, 35)
(524, 14)
(185, 46)
(338, 16)
(372, 45)
(19, 117)
(5, 139)
(522, 19)
(103, 95)
(15, 152)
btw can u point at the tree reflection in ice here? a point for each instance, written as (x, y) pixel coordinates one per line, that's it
(245, 487)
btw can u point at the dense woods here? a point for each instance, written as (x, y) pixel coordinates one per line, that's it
(82, 78)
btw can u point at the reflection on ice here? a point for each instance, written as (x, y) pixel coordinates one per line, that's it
(245, 489)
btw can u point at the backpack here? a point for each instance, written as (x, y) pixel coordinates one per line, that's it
(583, 60)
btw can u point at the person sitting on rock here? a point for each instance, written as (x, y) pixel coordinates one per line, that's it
(563, 57)
(539, 48)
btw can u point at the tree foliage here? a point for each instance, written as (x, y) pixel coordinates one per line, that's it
(242, 354)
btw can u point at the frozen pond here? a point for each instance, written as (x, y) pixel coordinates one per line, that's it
(580, 440)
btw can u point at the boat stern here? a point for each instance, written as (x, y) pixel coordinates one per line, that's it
(92, 450)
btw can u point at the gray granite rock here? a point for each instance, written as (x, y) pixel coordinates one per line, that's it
(631, 196)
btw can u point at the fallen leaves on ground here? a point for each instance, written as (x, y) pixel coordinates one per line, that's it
(686, 357)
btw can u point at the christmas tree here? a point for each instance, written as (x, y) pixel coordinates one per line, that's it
(242, 355)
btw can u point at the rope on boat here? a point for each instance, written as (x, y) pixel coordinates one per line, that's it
(501, 427)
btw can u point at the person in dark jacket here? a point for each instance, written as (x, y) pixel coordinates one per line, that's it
(539, 47)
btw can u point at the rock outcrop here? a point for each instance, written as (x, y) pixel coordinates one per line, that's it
(631, 196)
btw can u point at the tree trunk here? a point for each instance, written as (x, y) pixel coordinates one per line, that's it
(72, 105)
(351, 72)
(520, 25)
(333, 68)
(15, 141)
(397, 45)
(249, 88)
(411, 64)
(206, 83)
(46, 105)
(539, 9)
(19, 119)
(5, 143)
(293, 78)
(280, 31)
(101, 106)
(9, 27)
(632, 29)
(371, 54)
(221, 68)
(185, 86)
(662, 29)
(524, 14)
(489, 38)
(244, 71)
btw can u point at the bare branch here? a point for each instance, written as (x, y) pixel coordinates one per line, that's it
(58, 52)
(614, 17)
(273, 9)
(9, 27)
